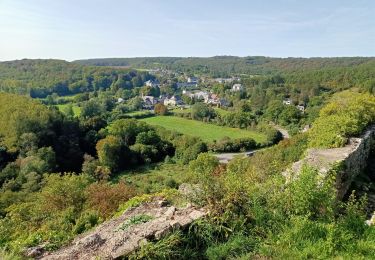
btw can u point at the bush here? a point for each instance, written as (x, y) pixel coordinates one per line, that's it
(160, 109)
(234, 247)
(106, 198)
(347, 115)
(236, 145)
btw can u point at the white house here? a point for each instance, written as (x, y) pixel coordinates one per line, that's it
(237, 87)
(152, 83)
(287, 102)
(192, 80)
(173, 101)
(120, 100)
(301, 108)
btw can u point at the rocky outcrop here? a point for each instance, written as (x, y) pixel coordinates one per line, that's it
(347, 161)
(123, 235)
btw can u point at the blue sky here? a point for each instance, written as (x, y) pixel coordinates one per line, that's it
(75, 29)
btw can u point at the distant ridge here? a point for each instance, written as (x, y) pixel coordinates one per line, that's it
(232, 64)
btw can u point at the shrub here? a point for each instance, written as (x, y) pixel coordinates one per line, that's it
(347, 115)
(160, 109)
(234, 247)
(106, 198)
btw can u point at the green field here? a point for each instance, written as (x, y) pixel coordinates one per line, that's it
(219, 111)
(76, 109)
(208, 132)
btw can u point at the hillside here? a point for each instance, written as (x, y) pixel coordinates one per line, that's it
(39, 78)
(225, 65)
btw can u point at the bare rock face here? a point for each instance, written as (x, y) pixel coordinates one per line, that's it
(122, 235)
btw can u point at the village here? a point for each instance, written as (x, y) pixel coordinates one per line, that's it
(194, 89)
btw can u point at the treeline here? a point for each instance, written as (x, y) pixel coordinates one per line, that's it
(36, 140)
(40, 78)
(226, 66)
(55, 168)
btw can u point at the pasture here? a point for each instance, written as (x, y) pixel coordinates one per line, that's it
(207, 132)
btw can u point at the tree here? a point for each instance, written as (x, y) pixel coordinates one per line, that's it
(109, 152)
(200, 111)
(273, 111)
(127, 129)
(289, 115)
(160, 109)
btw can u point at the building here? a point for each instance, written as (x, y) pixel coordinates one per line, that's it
(120, 100)
(187, 84)
(227, 80)
(149, 102)
(192, 80)
(237, 87)
(152, 83)
(287, 102)
(301, 108)
(173, 101)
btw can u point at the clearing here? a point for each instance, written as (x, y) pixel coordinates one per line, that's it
(207, 132)
(76, 109)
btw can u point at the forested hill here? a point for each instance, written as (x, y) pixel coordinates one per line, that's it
(39, 78)
(226, 65)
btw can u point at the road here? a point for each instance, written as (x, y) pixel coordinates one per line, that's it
(226, 157)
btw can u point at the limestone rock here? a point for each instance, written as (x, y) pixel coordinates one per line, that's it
(110, 241)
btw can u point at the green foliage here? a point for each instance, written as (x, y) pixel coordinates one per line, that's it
(166, 248)
(222, 66)
(109, 152)
(171, 195)
(201, 111)
(20, 115)
(311, 195)
(347, 115)
(236, 246)
(40, 78)
(229, 145)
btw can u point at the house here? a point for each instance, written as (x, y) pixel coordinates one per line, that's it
(287, 102)
(173, 101)
(192, 80)
(202, 95)
(120, 100)
(149, 102)
(227, 80)
(187, 84)
(152, 83)
(237, 87)
(301, 108)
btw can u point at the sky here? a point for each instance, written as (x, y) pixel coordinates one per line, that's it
(80, 29)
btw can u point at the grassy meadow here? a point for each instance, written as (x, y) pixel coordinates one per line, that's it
(76, 109)
(207, 132)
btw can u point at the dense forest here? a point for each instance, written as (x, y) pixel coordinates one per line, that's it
(40, 78)
(222, 66)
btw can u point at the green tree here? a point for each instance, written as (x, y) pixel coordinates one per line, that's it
(109, 152)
